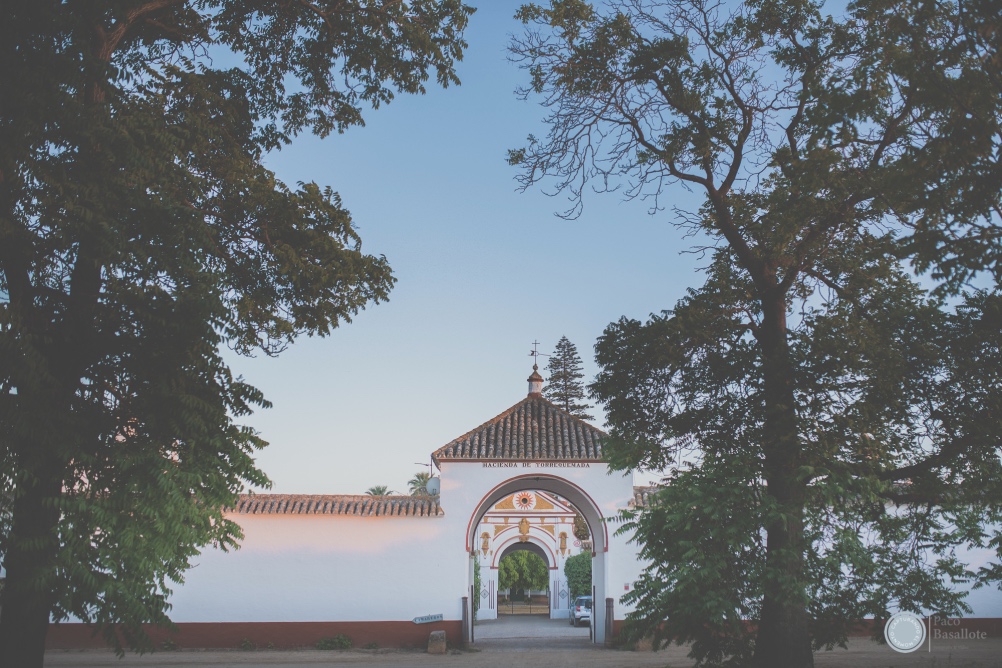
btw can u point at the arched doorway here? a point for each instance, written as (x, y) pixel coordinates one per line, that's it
(583, 502)
(528, 564)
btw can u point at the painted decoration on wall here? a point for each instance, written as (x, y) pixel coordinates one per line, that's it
(525, 500)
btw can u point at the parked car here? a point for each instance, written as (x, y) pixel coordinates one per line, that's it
(581, 610)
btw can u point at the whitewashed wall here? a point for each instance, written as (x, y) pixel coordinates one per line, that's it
(346, 568)
(326, 568)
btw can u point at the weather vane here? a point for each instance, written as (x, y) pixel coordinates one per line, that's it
(535, 355)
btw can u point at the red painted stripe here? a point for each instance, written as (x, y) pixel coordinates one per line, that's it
(279, 634)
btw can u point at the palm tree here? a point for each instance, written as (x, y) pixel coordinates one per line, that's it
(379, 490)
(419, 483)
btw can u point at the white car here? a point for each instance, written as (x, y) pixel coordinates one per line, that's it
(581, 610)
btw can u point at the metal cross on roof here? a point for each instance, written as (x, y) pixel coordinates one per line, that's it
(534, 353)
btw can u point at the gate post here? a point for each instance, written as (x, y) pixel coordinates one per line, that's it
(466, 619)
(609, 608)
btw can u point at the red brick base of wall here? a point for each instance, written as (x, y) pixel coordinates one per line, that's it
(961, 628)
(260, 634)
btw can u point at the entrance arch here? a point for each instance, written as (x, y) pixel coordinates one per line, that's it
(582, 501)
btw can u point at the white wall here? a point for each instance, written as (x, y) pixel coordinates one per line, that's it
(346, 568)
(326, 568)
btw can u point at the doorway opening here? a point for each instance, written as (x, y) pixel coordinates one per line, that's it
(529, 523)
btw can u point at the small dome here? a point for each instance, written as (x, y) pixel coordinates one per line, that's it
(535, 382)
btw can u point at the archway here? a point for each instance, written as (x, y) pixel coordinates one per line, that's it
(582, 501)
(529, 565)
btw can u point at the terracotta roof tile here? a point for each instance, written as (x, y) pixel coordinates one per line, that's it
(358, 505)
(533, 429)
(642, 496)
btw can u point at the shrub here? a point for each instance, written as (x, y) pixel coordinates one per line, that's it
(247, 645)
(578, 572)
(340, 641)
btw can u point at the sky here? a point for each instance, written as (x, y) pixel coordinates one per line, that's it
(483, 271)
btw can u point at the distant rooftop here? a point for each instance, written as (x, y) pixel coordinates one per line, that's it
(338, 504)
(642, 496)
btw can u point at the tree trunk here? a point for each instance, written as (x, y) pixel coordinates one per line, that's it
(783, 638)
(32, 547)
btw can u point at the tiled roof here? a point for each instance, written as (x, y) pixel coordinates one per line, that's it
(642, 496)
(531, 430)
(338, 504)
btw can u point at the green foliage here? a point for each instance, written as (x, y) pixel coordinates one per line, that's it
(371, 645)
(577, 569)
(581, 531)
(564, 387)
(139, 233)
(418, 485)
(340, 641)
(901, 449)
(817, 413)
(379, 490)
(247, 646)
(523, 570)
(476, 586)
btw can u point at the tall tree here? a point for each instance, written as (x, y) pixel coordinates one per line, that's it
(824, 148)
(379, 490)
(139, 232)
(564, 386)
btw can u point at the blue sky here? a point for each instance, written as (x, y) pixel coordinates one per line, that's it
(482, 270)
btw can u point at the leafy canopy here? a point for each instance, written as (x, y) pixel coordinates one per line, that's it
(521, 570)
(139, 232)
(818, 414)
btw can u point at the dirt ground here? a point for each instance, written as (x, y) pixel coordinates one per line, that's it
(522, 642)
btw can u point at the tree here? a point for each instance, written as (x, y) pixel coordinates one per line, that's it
(139, 232)
(581, 531)
(379, 490)
(564, 386)
(418, 485)
(577, 570)
(822, 146)
(522, 570)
